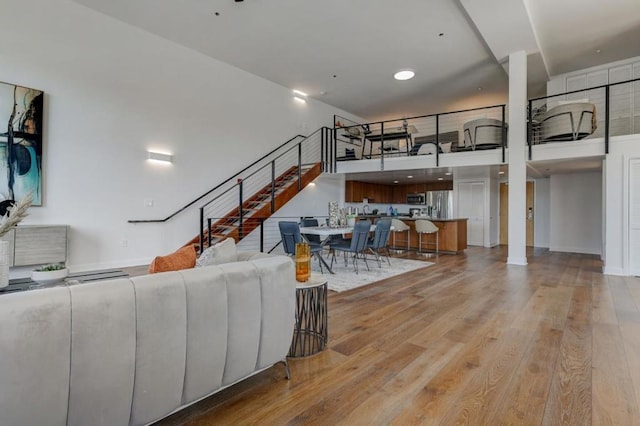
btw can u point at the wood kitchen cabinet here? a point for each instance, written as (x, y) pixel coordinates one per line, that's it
(452, 236)
(356, 191)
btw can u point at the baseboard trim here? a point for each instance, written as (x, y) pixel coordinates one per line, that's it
(520, 261)
(614, 271)
(580, 250)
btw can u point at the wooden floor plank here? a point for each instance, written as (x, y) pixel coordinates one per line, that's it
(614, 400)
(469, 339)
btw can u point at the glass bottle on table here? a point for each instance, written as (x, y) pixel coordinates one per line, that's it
(303, 262)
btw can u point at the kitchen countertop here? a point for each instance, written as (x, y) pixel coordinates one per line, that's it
(407, 217)
(455, 219)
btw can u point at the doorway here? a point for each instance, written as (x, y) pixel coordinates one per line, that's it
(504, 213)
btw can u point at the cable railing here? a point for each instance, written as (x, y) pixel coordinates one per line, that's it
(265, 236)
(267, 176)
(234, 209)
(595, 112)
(466, 130)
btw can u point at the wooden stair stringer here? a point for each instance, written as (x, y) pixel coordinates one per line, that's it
(285, 193)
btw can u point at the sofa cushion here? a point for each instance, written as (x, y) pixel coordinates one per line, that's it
(183, 258)
(222, 252)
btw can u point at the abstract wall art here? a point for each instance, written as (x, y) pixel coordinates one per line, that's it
(21, 112)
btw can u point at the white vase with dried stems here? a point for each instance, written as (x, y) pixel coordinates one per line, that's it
(9, 221)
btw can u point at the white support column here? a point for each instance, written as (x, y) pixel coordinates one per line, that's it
(517, 143)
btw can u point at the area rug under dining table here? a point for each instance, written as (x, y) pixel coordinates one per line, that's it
(345, 278)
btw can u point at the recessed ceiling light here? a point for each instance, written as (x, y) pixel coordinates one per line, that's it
(448, 174)
(409, 177)
(395, 181)
(440, 178)
(597, 50)
(299, 99)
(500, 173)
(404, 75)
(299, 92)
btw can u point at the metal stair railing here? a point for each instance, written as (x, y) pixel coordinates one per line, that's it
(259, 185)
(298, 153)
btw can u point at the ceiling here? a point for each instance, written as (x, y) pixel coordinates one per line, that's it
(535, 170)
(345, 53)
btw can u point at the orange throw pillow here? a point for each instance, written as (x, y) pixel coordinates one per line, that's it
(183, 258)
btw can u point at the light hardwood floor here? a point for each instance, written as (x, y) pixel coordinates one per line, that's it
(469, 340)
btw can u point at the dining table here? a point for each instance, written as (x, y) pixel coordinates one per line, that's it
(325, 233)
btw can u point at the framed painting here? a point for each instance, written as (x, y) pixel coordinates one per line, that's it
(21, 112)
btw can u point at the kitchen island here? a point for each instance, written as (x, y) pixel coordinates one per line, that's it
(452, 234)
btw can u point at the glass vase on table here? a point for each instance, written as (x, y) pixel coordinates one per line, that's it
(303, 262)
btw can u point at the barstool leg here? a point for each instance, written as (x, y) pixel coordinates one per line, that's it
(437, 242)
(419, 242)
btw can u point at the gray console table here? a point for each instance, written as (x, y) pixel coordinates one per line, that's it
(37, 244)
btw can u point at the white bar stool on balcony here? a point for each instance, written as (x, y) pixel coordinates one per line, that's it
(399, 226)
(426, 227)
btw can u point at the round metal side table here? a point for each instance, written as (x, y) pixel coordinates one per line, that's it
(310, 333)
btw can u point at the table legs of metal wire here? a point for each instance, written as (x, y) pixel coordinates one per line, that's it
(310, 332)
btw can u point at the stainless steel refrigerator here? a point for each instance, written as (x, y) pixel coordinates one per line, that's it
(440, 204)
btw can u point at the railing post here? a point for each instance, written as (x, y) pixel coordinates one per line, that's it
(437, 140)
(202, 229)
(529, 129)
(322, 147)
(382, 145)
(209, 233)
(299, 166)
(240, 209)
(261, 234)
(504, 133)
(273, 186)
(607, 102)
(334, 151)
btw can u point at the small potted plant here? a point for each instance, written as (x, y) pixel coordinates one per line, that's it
(48, 274)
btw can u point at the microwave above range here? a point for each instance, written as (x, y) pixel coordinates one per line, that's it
(417, 198)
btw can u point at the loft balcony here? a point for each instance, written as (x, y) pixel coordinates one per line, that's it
(570, 126)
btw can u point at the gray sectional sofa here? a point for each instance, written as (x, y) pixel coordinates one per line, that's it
(134, 350)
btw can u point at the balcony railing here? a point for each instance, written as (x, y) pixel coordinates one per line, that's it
(596, 112)
(457, 131)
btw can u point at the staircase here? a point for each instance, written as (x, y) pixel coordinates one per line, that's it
(258, 207)
(272, 180)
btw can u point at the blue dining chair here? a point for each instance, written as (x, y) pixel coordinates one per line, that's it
(380, 240)
(290, 234)
(357, 246)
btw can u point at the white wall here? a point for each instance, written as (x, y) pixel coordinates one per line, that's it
(621, 150)
(541, 208)
(575, 213)
(111, 93)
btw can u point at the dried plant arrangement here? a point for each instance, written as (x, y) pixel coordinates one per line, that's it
(15, 214)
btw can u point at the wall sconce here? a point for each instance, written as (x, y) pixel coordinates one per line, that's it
(160, 157)
(300, 96)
